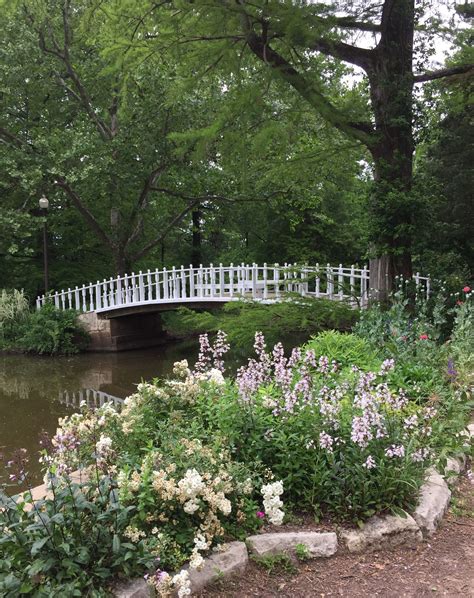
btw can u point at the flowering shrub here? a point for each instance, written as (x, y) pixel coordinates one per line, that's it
(343, 426)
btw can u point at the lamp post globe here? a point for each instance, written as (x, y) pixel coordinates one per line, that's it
(44, 203)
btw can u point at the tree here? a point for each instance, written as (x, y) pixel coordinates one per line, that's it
(299, 44)
(91, 137)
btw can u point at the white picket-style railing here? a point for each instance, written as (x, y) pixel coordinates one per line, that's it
(90, 397)
(268, 283)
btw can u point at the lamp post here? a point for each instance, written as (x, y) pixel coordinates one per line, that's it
(44, 205)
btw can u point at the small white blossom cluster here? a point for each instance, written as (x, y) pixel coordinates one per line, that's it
(181, 369)
(272, 503)
(165, 585)
(103, 447)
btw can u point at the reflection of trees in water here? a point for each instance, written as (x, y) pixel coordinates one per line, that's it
(21, 376)
(26, 376)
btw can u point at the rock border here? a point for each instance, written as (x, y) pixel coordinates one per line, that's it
(378, 532)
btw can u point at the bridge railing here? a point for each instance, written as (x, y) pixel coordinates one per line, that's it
(220, 283)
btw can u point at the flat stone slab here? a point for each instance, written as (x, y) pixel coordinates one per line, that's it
(319, 544)
(219, 565)
(433, 503)
(382, 532)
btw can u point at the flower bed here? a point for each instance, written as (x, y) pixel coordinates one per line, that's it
(342, 427)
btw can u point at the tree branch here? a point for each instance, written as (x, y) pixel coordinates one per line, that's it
(304, 87)
(447, 72)
(142, 202)
(353, 54)
(10, 139)
(86, 213)
(149, 246)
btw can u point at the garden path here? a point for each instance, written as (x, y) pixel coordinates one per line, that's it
(442, 566)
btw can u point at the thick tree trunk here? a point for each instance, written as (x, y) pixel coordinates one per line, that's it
(392, 204)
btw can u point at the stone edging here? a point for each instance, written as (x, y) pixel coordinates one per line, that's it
(378, 532)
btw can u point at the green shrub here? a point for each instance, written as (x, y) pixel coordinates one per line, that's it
(48, 330)
(52, 331)
(73, 544)
(291, 322)
(14, 310)
(347, 349)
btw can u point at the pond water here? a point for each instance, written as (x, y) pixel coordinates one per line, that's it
(35, 391)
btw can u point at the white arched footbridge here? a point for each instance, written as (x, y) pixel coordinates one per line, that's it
(123, 313)
(167, 289)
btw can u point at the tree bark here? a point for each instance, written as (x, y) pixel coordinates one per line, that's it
(391, 90)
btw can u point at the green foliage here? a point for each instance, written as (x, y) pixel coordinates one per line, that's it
(72, 544)
(346, 349)
(276, 564)
(291, 322)
(14, 310)
(302, 552)
(47, 331)
(52, 331)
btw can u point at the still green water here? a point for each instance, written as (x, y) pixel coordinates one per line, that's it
(34, 391)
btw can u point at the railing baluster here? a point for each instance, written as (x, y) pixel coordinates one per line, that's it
(192, 291)
(254, 280)
(77, 301)
(111, 293)
(98, 298)
(200, 282)
(221, 280)
(265, 281)
(91, 297)
(231, 280)
(212, 274)
(141, 288)
(149, 286)
(165, 284)
(340, 282)
(157, 285)
(352, 283)
(83, 292)
(183, 283)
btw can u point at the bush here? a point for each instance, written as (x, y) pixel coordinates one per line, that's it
(52, 331)
(48, 330)
(14, 310)
(291, 322)
(346, 349)
(73, 544)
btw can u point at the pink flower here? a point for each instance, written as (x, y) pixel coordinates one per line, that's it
(423, 337)
(260, 514)
(466, 289)
(459, 302)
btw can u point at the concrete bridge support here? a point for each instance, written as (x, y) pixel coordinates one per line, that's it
(135, 331)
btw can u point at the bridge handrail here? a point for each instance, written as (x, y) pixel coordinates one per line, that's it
(267, 282)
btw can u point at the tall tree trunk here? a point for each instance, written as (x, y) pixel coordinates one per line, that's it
(121, 262)
(392, 205)
(196, 253)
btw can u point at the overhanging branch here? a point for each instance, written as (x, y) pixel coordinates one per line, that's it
(442, 73)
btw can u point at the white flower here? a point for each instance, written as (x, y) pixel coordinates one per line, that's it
(182, 583)
(214, 376)
(181, 369)
(103, 446)
(272, 502)
(191, 506)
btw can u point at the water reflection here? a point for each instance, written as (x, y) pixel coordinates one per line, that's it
(90, 397)
(36, 391)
